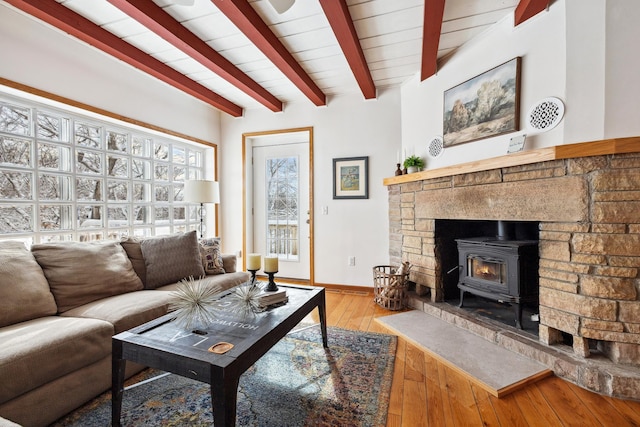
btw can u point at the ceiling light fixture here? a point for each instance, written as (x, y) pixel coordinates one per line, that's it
(281, 6)
(184, 2)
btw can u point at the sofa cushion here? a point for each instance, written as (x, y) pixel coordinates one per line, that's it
(38, 351)
(211, 256)
(81, 272)
(171, 258)
(132, 247)
(229, 263)
(125, 311)
(24, 291)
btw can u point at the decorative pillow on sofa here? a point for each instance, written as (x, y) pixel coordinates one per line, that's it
(81, 272)
(132, 247)
(211, 256)
(169, 259)
(24, 291)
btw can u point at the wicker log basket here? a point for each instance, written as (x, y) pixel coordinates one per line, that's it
(390, 285)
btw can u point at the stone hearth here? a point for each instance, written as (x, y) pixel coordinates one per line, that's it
(586, 199)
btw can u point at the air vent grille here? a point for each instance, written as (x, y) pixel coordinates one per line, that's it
(545, 114)
(436, 147)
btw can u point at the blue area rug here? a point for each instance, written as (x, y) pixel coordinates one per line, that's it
(297, 383)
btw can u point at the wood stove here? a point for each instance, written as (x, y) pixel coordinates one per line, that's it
(501, 270)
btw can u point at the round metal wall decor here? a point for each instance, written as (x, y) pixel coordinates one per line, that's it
(436, 147)
(545, 114)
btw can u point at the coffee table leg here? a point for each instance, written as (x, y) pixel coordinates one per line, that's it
(117, 383)
(224, 397)
(322, 311)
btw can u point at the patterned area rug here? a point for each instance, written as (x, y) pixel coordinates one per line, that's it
(297, 383)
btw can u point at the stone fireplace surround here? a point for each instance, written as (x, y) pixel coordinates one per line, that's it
(586, 199)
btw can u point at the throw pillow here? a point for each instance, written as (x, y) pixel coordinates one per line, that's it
(211, 256)
(24, 291)
(132, 247)
(169, 259)
(81, 272)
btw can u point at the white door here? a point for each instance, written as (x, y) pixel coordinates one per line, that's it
(281, 206)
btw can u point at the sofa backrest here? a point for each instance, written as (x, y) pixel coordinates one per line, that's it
(24, 291)
(81, 272)
(165, 259)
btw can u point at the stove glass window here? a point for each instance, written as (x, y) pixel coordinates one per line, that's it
(485, 268)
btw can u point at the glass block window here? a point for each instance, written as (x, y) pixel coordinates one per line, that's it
(68, 177)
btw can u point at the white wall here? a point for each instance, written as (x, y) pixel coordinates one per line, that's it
(347, 127)
(622, 98)
(35, 54)
(540, 42)
(581, 51)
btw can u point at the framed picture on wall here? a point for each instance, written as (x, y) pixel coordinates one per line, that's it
(484, 106)
(351, 178)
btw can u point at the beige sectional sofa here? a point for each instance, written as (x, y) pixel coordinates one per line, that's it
(60, 304)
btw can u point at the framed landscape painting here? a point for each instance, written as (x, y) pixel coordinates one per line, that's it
(484, 106)
(350, 178)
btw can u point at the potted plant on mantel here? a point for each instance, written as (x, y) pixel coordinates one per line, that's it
(413, 164)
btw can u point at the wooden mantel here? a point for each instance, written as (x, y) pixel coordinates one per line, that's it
(582, 149)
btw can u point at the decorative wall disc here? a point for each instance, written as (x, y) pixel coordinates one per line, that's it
(545, 114)
(436, 147)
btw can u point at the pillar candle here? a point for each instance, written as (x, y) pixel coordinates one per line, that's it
(253, 262)
(270, 264)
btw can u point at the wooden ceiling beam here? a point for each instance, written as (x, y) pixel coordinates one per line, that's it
(340, 20)
(243, 16)
(527, 9)
(63, 18)
(431, 29)
(160, 22)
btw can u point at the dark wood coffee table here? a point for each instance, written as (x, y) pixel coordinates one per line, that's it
(160, 344)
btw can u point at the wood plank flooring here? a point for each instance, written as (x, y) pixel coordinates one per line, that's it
(428, 393)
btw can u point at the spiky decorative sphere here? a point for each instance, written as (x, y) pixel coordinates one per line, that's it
(194, 304)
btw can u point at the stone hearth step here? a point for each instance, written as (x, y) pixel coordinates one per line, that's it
(497, 370)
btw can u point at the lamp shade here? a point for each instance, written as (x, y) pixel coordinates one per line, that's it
(201, 191)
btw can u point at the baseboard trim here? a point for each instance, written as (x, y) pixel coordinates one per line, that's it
(347, 289)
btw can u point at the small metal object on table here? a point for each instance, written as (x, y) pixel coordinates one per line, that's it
(161, 345)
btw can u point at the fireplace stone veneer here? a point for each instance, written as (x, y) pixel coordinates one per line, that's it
(586, 198)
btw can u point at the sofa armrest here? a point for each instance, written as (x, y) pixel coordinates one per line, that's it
(229, 262)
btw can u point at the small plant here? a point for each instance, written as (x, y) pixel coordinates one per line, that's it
(414, 161)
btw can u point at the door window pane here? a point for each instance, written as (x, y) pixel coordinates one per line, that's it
(282, 207)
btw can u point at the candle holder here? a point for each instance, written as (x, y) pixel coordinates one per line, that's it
(253, 276)
(271, 286)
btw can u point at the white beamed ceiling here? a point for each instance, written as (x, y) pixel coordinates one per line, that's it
(389, 32)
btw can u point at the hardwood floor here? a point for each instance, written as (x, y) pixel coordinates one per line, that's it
(427, 393)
